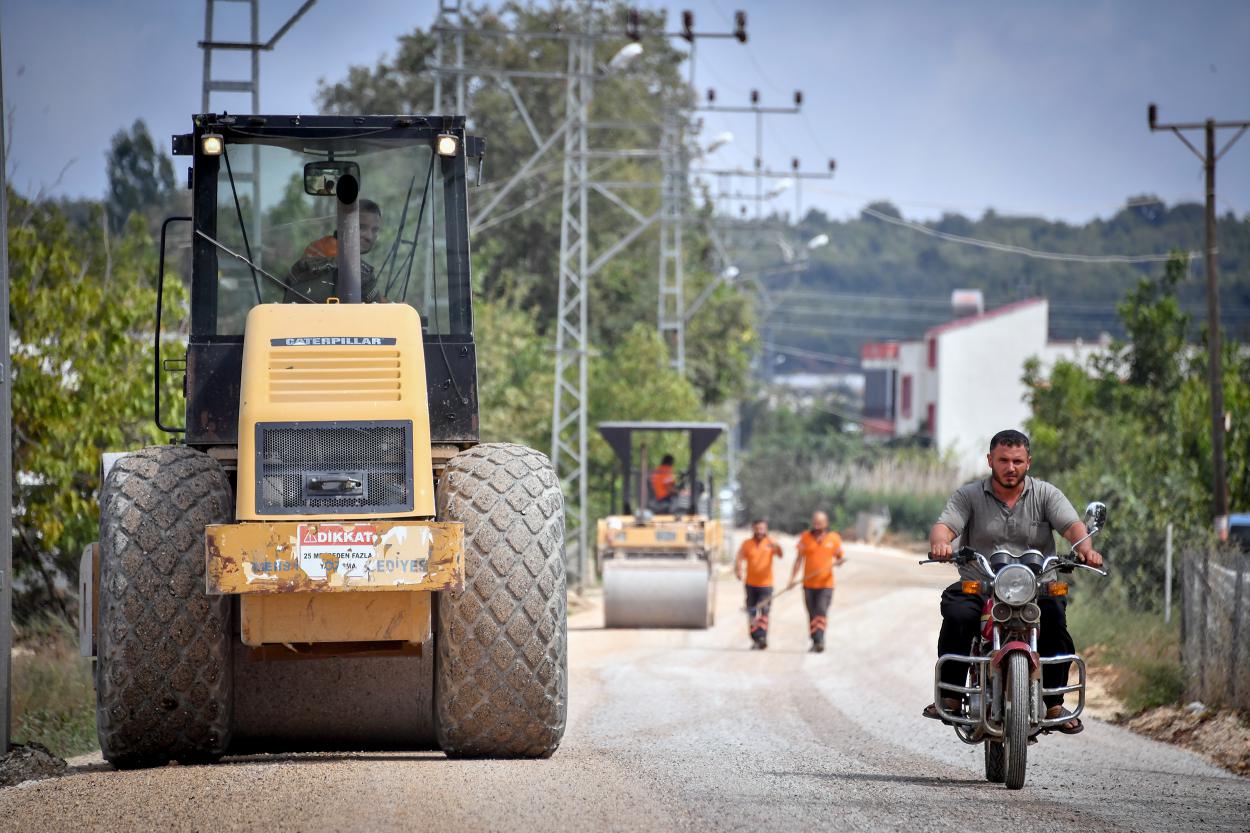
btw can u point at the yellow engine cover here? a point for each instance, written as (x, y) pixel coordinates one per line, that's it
(311, 366)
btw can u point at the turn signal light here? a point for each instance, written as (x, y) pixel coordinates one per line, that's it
(1056, 588)
(973, 588)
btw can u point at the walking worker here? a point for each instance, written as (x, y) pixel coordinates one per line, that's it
(819, 551)
(756, 554)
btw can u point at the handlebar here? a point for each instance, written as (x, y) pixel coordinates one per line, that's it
(964, 555)
(967, 555)
(1067, 565)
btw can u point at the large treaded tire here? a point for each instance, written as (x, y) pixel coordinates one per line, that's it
(163, 673)
(501, 667)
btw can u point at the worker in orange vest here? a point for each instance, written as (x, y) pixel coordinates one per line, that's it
(315, 274)
(663, 485)
(819, 551)
(756, 555)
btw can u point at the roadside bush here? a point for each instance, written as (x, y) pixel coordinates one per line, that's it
(1143, 651)
(799, 463)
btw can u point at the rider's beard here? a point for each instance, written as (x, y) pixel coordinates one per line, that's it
(1015, 480)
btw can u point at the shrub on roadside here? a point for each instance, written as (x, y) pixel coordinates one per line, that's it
(1144, 651)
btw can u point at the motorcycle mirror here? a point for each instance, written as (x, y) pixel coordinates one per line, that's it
(1096, 515)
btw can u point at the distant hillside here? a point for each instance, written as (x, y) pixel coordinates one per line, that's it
(878, 280)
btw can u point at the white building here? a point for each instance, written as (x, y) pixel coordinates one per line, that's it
(962, 383)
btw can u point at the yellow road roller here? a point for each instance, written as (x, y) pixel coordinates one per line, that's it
(656, 557)
(324, 556)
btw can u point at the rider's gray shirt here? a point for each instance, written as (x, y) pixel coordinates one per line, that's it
(984, 522)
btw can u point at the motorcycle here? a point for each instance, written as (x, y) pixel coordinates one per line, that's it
(1002, 705)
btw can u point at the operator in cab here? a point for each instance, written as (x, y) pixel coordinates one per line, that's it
(315, 274)
(663, 485)
(1007, 510)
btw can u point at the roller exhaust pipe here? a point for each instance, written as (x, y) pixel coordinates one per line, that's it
(347, 229)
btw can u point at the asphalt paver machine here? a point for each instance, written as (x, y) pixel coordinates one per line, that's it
(656, 560)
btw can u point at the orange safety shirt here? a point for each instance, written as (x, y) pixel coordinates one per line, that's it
(662, 482)
(818, 557)
(327, 246)
(759, 558)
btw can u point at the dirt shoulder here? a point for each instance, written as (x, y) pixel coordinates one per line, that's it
(1219, 735)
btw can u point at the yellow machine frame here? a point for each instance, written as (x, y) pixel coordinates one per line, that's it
(313, 577)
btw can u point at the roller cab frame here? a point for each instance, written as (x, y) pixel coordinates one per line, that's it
(333, 418)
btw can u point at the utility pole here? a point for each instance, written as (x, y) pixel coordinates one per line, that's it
(571, 397)
(577, 263)
(449, 26)
(794, 177)
(251, 87)
(6, 454)
(759, 112)
(671, 315)
(1209, 157)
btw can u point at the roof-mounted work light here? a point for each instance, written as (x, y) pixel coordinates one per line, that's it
(212, 144)
(447, 144)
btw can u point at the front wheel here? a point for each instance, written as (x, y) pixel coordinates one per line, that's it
(1016, 722)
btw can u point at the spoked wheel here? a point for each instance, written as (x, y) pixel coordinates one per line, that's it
(1016, 724)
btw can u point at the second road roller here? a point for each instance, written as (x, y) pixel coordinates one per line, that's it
(656, 557)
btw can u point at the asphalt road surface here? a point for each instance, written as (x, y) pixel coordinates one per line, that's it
(688, 730)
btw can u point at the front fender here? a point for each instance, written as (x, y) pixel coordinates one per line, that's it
(1000, 656)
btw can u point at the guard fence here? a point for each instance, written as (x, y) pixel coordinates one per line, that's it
(1215, 618)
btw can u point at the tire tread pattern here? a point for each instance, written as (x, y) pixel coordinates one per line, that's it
(501, 668)
(1016, 726)
(163, 672)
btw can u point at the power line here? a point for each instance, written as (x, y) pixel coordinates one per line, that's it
(1009, 248)
(803, 353)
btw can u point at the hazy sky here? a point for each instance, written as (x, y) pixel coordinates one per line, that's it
(1036, 108)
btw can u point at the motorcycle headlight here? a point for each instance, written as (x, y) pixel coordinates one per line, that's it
(1015, 585)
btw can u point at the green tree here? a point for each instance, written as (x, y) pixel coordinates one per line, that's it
(140, 178)
(81, 319)
(1133, 429)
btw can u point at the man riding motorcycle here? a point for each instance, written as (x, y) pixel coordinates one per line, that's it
(1012, 510)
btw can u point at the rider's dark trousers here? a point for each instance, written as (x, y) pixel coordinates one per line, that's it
(961, 621)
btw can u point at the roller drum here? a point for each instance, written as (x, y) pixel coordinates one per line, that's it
(657, 593)
(333, 703)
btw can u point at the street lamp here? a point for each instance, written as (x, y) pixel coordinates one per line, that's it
(718, 142)
(625, 56)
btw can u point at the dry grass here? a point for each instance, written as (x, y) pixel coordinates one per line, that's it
(1139, 653)
(53, 695)
(916, 474)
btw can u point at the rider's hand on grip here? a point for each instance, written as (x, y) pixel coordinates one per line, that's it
(1093, 558)
(940, 552)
